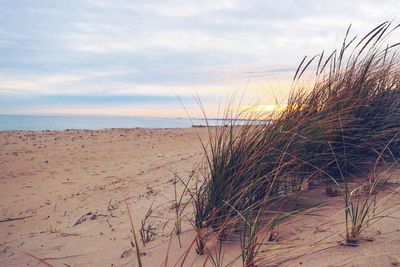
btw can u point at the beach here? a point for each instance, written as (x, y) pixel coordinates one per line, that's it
(64, 198)
(200, 133)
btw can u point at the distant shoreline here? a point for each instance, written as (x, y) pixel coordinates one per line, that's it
(40, 123)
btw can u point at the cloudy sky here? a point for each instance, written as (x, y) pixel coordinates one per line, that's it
(133, 57)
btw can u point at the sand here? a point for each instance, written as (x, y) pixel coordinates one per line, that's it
(62, 201)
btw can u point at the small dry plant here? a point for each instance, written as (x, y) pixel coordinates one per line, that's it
(361, 205)
(180, 202)
(147, 230)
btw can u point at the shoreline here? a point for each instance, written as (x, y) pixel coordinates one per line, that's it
(108, 129)
(61, 123)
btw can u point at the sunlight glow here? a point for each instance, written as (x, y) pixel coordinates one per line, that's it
(267, 108)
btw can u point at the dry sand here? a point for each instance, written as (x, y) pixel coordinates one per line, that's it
(62, 200)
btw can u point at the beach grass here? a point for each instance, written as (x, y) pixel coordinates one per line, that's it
(340, 128)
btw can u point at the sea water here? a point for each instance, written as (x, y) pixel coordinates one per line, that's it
(63, 122)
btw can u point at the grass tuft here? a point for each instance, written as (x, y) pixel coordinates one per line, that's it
(339, 128)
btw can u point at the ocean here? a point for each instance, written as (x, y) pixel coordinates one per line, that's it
(63, 122)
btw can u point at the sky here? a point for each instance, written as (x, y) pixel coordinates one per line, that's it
(121, 57)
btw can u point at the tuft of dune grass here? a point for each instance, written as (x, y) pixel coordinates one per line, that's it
(335, 130)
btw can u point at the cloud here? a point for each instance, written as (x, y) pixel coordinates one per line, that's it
(121, 47)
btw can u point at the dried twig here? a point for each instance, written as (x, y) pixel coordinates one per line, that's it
(15, 218)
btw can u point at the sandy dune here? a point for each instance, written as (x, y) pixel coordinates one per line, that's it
(61, 200)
